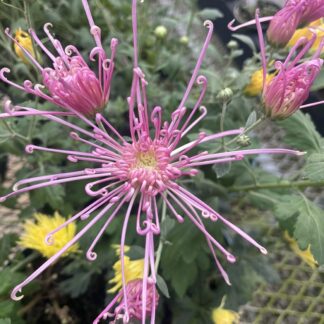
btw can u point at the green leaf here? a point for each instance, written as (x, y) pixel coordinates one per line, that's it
(5, 321)
(210, 13)
(162, 286)
(251, 119)
(166, 226)
(222, 169)
(301, 133)
(308, 224)
(314, 169)
(246, 40)
(6, 307)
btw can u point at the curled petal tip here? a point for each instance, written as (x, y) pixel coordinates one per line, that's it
(208, 23)
(300, 153)
(49, 240)
(14, 293)
(2, 199)
(91, 256)
(263, 250)
(47, 26)
(231, 258)
(29, 148)
(201, 79)
(230, 25)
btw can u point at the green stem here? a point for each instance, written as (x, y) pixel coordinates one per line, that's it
(161, 242)
(280, 185)
(222, 120)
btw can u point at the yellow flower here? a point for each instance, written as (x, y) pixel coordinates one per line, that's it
(25, 41)
(35, 233)
(133, 270)
(305, 255)
(317, 27)
(254, 88)
(221, 315)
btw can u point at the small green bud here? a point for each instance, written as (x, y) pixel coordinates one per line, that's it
(160, 31)
(232, 44)
(184, 40)
(225, 95)
(244, 140)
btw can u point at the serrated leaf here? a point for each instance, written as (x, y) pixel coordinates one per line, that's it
(251, 119)
(222, 169)
(301, 133)
(314, 169)
(308, 224)
(162, 286)
(246, 40)
(210, 13)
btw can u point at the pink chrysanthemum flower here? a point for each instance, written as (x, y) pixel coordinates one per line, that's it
(138, 174)
(133, 302)
(285, 22)
(70, 83)
(289, 89)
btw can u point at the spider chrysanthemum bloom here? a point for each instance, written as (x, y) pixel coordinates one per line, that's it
(138, 173)
(290, 87)
(316, 27)
(285, 22)
(295, 13)
(34, 235)
(68, 82)
(132, 303)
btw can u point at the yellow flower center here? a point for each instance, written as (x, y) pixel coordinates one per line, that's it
(146, 160)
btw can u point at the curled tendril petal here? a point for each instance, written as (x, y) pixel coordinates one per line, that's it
(3, 198)
(85, 216)
(209, 24)
(113, 43)
(72, 158)
(91, 255)
(230, 258)
(89, 171)
(263, 250)
(155, 229)
(47, 26)
(95, 30)
(106, 64)
(96, 51)
(70, 49)
(29, 149)
(9, 108)
(15, 291)
(74, 136)
(7, 31)
(239, 157)
(201, 79)
(49, 239)
(2, 73)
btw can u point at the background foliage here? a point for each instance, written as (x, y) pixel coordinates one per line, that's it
(74, 291)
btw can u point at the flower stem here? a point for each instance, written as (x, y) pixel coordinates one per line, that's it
(161, 242)
(280, 185)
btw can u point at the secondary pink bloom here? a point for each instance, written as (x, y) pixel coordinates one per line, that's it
(139, 173)
(133, 302)
(285, 22)
(70, 83)
(288, 90)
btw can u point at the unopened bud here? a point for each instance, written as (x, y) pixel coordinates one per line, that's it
(184, 40)
(244, 140)
(160, 31)
(232, 44)
(225, 95)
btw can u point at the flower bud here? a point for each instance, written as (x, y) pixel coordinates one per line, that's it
(184, 40)
(232, 44)
(244, 140)
(160, 32)
(225, 95)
